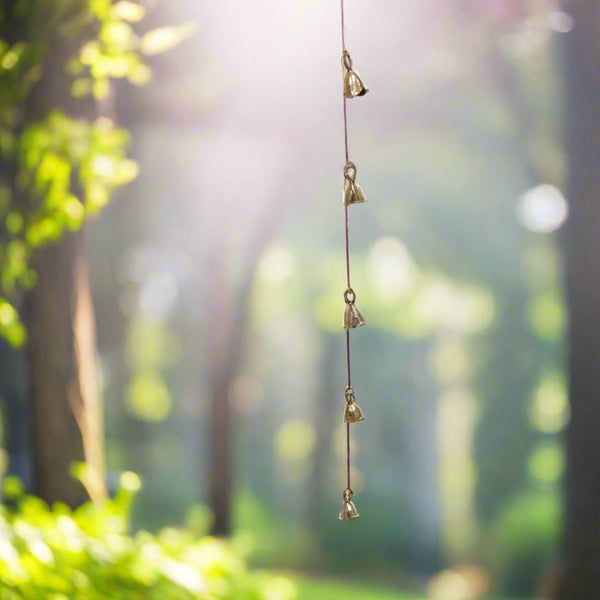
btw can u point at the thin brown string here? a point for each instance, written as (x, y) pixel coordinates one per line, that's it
(343, 95)
(348, 357)
(346, 131)
(347, 251)
(342, 20)
(348, 455)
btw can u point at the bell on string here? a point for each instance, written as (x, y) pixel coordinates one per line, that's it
(353, 414)
(352, 317)
(353, 193)
(353, 84)
(348, 508)
(352, 411)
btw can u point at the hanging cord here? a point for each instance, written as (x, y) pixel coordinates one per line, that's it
(343, 27)
(344, 96)
(353, 194)
(349, 378)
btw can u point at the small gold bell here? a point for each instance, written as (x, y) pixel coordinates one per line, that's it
(348, 508)
(352, 411)
(353, 84)
(353, 193)
(352, 317)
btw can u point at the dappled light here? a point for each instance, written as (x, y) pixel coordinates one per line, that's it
(546, 463)
(546, 314)
(147, 397)
(179, 166)
(542, 209)
(560, 21)
(392, 269)
(549, 409)
(466, 583)
(276, 265)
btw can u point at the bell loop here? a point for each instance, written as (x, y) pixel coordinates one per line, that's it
(350, 172)
(346, 60)
(347, 495)
(349, 296)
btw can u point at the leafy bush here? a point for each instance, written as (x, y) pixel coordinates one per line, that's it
(90, 554)
(526, 535)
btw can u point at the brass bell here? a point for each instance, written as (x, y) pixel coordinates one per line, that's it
(352, 411)
(353, 193)
(352, 316)
(353, 84)
(348, 507)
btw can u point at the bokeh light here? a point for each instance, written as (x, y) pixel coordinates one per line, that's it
(542, 209)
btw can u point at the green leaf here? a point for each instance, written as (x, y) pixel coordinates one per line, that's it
(164, 38)
(129, 11)
(14, 222)
(81, 87)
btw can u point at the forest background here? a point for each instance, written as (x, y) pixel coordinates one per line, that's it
(216, 279)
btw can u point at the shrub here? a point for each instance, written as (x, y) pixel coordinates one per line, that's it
(526, 535)
(55, 553)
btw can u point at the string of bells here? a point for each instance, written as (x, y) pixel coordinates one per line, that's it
(352, 194)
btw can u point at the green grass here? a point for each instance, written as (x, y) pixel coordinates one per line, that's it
(332, 589)
(328, 589)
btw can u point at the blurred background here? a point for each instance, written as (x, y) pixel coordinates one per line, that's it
(218, 274)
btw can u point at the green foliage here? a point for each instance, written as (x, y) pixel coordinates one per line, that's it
(55, 149)
(332, 589)
(59, 554)
(56, 169)
(526, 533)
(328, 589)
(265, 538)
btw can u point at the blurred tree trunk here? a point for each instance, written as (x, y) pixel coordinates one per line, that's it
(228, 321)
(65, 410)
(64, 406)
(582, 515)
(14, 413)
(223, 339)
(229, 311)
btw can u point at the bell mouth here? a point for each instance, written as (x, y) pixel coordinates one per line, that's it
(349, 515)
